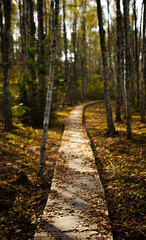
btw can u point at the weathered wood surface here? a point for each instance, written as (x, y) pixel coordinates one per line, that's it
(76, 206)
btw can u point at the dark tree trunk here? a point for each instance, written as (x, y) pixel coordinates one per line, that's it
(84, 71)
(110, 122)
(143, 69)
(49, 93)
(132, 64)
(41, 59)
(23, 53)
(123, 73)
(5, 46)
(22, 29)
(67, 99)
(31, 54)
(45, 15)
(119, 62)
(127, 55)
(144, 50)
(74, 36)
(136, 57)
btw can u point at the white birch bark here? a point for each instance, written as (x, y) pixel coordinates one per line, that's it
(49, 93)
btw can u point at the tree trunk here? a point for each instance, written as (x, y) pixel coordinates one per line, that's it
(67, 79)
(144, 51)
(49, 92)
(143, 69)
(41, 60)
(110, 122)
(46, 17)
(124, 104)
(136, 57)
(84, 71)
(31, 54)
(119, 62)
(132, 64)
(5, 46)
(111, 75)
(22, 30)
(126, 26)
(74, 36)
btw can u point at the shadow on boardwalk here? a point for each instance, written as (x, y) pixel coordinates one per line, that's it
(76, 206)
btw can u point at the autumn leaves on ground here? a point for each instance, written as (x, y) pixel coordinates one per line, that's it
(121, 166)
(120, 163)
(23, 195)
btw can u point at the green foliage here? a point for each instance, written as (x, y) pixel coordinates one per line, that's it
(95, 88)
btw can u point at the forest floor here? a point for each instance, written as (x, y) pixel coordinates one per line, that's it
(121, 166)
(22, 194)
(120, 163)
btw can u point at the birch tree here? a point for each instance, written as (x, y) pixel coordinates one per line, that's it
(110, 122)
(49, 92)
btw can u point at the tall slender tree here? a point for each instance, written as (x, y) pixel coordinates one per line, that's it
(49, 92)
(74, 40)
(5, 7)
(119, 62)
(83, 55)
(127, 66)
(30, 51)
(144, 51)
(110, 123)
(111, 72)
(143, 68)
(136, 57)
(67, 98)
(41, 59)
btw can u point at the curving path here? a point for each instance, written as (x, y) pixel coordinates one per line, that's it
(76, 206)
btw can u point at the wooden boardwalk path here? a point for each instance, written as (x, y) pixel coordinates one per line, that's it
(76, 206)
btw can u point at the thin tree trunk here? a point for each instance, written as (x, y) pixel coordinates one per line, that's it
(123, 74)
(143, 69)
(136, 57)
(31, 53)
(144, 51)
(110, 122)
(41, 60)
(67, 79)
(119, 62)
(51, 15)
(75, 54)
(46, 20)
(84, 73)
(126, 25)
(111, 75)
(5, 46)
(22, 30)
(132, 64)
(49, 93)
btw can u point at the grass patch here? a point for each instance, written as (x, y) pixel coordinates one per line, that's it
(121, 164)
